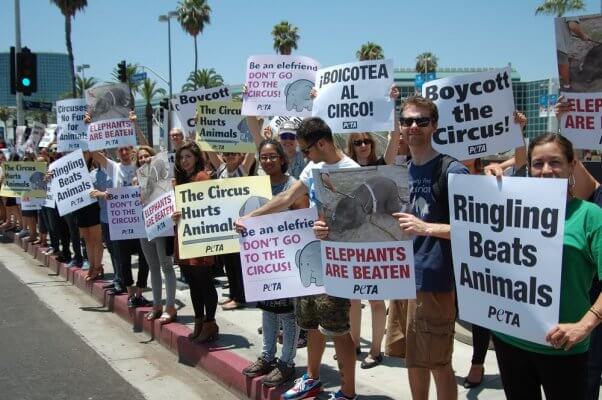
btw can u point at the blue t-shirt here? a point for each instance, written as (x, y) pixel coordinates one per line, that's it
(432, 256)
(102, 182)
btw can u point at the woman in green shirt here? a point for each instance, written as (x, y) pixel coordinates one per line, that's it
(561, 368)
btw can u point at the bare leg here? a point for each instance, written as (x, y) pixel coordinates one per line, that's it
(345, 350)
(355, 320)
(378, 326)
(316, 343)
(420, 380)
(445, 382)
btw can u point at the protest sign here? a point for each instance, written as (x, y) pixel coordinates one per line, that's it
(357, 203)
(31, 203)
(109, 107)
(370, 271)
(23, 178)
(355, 97)
(220, 127)
(280, 256)
(20, 137)
(276, 122)
(209, 209)
(583, 125)
(185, 105)
(71, 184)
(279, 85)
(476, 114)
(155, 177)
(157, 216)
(507, 239)
(124, 211)
(72, 131)
(35, 135)
(48, 137)
(49, 199)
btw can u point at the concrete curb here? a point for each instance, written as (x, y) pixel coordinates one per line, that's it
(224, 365)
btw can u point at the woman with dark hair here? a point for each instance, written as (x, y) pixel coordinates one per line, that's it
(190, 167)
(30, 217)
(13, 213)
(561, 369)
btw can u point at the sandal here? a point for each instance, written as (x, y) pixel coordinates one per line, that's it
(231, 305)
(167, 318)
(370, 361)
(95, 273)
(153, 315)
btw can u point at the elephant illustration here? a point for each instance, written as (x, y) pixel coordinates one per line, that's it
(245, 134)
(309, 262)
(252, 203)
(297, 95)
(37, 181)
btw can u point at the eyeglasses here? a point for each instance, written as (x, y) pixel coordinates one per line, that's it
(288, 136)
(420, 121)
(306, 150)
(271, 157)
(360, 142)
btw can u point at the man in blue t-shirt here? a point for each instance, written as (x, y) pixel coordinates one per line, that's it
(431, 317)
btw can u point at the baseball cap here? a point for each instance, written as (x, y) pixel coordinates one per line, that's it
(287, 127)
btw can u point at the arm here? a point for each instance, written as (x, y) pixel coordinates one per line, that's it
(100, 159)
(254, 125)
(392, 146)
(567, 335)
(413, 225)
(585, 183)
(214, 159)
(142, 140)
(247, 163)
(302, 202)
(281, 202)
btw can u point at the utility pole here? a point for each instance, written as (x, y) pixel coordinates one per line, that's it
(18, 95)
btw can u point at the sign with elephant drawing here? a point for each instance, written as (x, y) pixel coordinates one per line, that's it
(209, 209)
(279, 85)
(280, 256)
(220, 127)
(24, 178)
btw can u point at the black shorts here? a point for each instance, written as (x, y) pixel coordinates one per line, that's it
(87, 216)
(29, 213)
(11, 202)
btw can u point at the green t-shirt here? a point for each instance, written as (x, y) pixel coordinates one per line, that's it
(581, 259)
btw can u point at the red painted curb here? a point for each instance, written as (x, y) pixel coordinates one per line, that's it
(224, 365)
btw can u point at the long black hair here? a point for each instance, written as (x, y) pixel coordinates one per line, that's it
(199, 164)
(279, 150)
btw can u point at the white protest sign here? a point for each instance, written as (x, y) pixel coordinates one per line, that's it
(111, 133)
(185, 105)
(109, 108)
(507, 239)
(276, 122)
(279, 85)
(124, 211)
(583, 125)
(72, 132)
(157, 216)
(370, 271)
(49, 200)
(280, 256)
(31, 203)
(48, 137)
(20, 137)
(71, 184)
(476, 114)
(355, 97)
(36, 134)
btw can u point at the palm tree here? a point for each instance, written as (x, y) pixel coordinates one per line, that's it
(285, 37)
(149, 91)
(193, 15)
(68, 9)
(130, 69)
(203, 78)
(370, 51)
(426, 62)
(83, 83)
(559, 7)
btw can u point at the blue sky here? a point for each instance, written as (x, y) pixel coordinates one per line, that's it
(474, 33)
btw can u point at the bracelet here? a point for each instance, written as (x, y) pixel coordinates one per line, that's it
(596, 313)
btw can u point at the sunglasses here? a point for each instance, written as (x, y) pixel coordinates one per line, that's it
(271, 158)
(288, 136)
(360, 142)
(306, 150)
(420, 121)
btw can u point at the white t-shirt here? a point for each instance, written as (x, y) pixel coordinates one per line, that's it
(307, 178)
(122, 175)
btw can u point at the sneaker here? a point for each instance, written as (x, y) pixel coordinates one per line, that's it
(23, 233)
(340, 396)
(74, 263)
(86, 264)
(303, 387)
(259, 367)
(282, 373)
(132, 302)
(143, 302)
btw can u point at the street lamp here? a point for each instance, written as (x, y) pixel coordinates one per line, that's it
(167, 18)
(81, 69)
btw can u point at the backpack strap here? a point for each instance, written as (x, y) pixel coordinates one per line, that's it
(439, 188)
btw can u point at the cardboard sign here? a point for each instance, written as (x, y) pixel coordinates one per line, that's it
(279, 85)
(209, 209)
(157, 216)
(124, 211)
(280, 256)
(355, 97)
(583, 125)
(371, 271)
(185, 105)
(71, 184)
(507, 239)
(23, 178)
(36, 134)
(72, 131)
(31, 203)
(220, 127)
(48, 137)
(476, 114)
(109, 107)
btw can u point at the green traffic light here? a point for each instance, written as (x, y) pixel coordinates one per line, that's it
(26, 82)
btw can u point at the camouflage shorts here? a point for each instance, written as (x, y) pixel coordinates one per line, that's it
(328, 314)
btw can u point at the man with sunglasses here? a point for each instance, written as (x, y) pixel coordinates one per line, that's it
(287, 134)
(322, 314)
(431, 316)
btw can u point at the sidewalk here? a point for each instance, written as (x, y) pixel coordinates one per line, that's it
(240, 344)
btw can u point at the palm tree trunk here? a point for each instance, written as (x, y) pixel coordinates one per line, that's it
(149, 123)
(70, 51)
(196, 55)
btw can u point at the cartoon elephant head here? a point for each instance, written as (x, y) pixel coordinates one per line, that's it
(245, 133)
(252, 203)
(297, 95)
(309, 262)
(37, 181)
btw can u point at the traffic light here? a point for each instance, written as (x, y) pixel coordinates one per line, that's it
(27, 72)
(122, 71)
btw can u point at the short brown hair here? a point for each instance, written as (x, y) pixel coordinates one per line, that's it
(420, 101)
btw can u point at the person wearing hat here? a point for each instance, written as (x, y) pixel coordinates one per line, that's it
(287, 135)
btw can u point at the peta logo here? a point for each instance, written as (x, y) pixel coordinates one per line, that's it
(349, 124)
(477, 149)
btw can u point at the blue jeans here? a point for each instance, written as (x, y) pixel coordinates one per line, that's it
(290, 333)
(114, 253)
